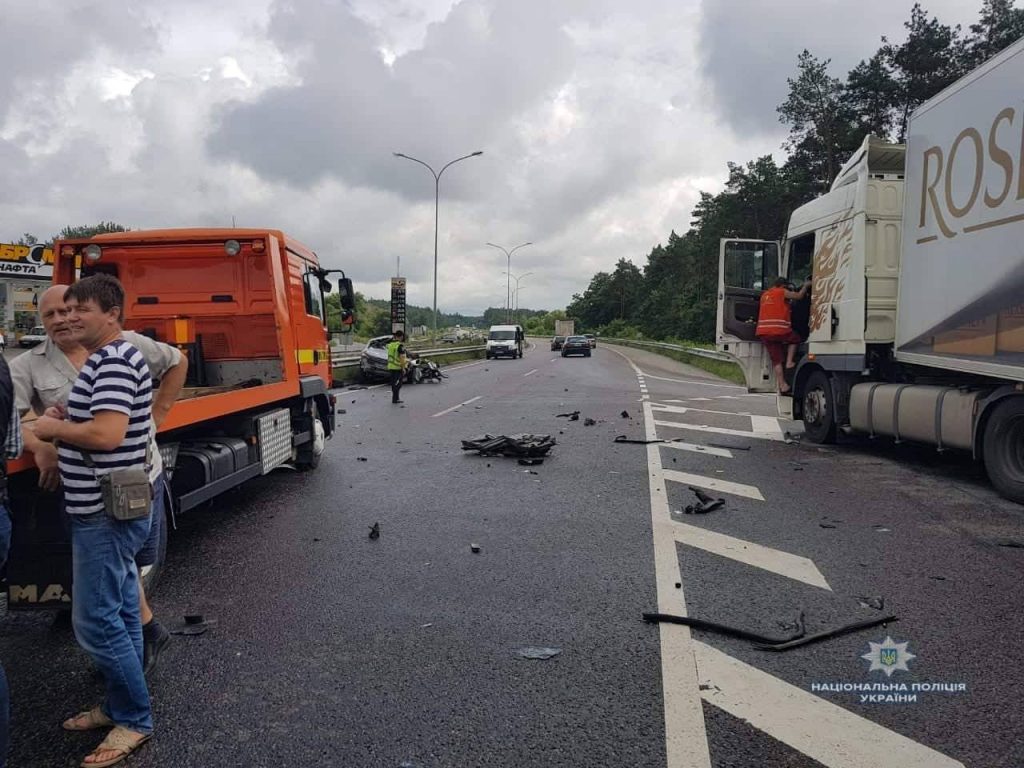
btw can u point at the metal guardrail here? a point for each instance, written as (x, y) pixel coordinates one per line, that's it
(345, 359)
(711, 354)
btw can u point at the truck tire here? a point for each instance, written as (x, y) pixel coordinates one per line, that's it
(819, 408)
(310, 459)
(1003, 448)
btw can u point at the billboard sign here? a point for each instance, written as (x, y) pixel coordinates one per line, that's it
(397, 304)
(26, 262)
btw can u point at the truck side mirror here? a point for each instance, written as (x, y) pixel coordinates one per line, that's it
(345, 294)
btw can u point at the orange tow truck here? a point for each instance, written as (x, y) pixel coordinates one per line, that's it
(248, 308)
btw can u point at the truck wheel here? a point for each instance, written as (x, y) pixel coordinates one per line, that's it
(819, 408)
(1003, 448)
(309, 458)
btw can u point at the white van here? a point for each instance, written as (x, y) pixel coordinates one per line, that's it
(505, 341)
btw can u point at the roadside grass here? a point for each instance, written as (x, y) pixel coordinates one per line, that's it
(728, 371)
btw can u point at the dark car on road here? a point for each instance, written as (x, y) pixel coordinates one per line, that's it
(576, 345)
(557, 342)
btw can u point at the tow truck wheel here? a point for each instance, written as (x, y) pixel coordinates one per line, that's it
(819, 408)
(310, 459)
(1003, 448)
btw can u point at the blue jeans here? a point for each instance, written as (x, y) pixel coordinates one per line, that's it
(105, 611)
(5, 697)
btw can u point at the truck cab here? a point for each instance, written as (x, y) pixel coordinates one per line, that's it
(848, 243)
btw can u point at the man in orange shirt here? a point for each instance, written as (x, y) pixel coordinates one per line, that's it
(775, 328)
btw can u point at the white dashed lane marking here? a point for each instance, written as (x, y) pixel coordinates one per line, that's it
(714, 484)
(456, 407)
(709, 450)
(823, 731)
(776, 561)
(836, 737)
(722, 430)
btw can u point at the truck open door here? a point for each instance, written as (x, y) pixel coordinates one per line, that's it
(746, 268)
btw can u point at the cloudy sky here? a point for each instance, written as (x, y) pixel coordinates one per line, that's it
(599, 125)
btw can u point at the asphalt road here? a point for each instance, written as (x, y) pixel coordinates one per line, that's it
(331, 649)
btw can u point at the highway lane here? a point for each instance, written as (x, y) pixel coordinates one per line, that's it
(331, 649)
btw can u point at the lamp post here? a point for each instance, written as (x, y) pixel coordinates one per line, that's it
(508, 285)
(517, 279)
(437, 200)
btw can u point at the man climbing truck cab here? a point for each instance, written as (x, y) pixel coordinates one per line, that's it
(916, 324)
(247, 307)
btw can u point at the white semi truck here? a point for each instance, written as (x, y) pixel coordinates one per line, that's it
(915, 325)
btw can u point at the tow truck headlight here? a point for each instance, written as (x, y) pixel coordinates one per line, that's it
(92, 253)
(232, 247)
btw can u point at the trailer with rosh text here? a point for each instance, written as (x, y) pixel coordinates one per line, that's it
(915, 327)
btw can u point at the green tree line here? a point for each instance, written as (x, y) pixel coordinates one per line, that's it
(674, 295)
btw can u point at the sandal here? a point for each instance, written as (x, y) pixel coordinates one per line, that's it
(88, 721)
(121, 740)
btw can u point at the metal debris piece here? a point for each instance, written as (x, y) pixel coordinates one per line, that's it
(703, 509)
(361, 458)
(724, 629)
(826, 525)
(474, 548)
(538, 652)
(624, 414)
(882, 529)
(516, 446)
(763, 643)
(1010, 543)
(530, 462)
(589, 422)
(704, 503)
(730, 447)
(375, 531)
(878, 603)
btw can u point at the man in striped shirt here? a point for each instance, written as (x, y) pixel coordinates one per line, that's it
(108, 415)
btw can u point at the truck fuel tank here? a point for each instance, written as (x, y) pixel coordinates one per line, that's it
(940, 416)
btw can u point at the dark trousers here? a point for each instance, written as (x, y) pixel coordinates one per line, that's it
(396, 384)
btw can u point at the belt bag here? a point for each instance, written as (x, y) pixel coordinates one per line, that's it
(127, 494)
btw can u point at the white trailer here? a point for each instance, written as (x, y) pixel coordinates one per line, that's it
(915, 325)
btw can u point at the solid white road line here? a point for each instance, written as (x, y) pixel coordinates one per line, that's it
(710, 450)
(785, 564)
(530, 373)
(455, 407)
(767, 425)
(714, 484)
(687, 409)
(720, 430)
(695, 381)
(835, 737)
(686, 740)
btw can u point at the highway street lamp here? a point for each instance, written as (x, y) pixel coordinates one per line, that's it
(508, 286)
(517, 279)
(437, 199)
